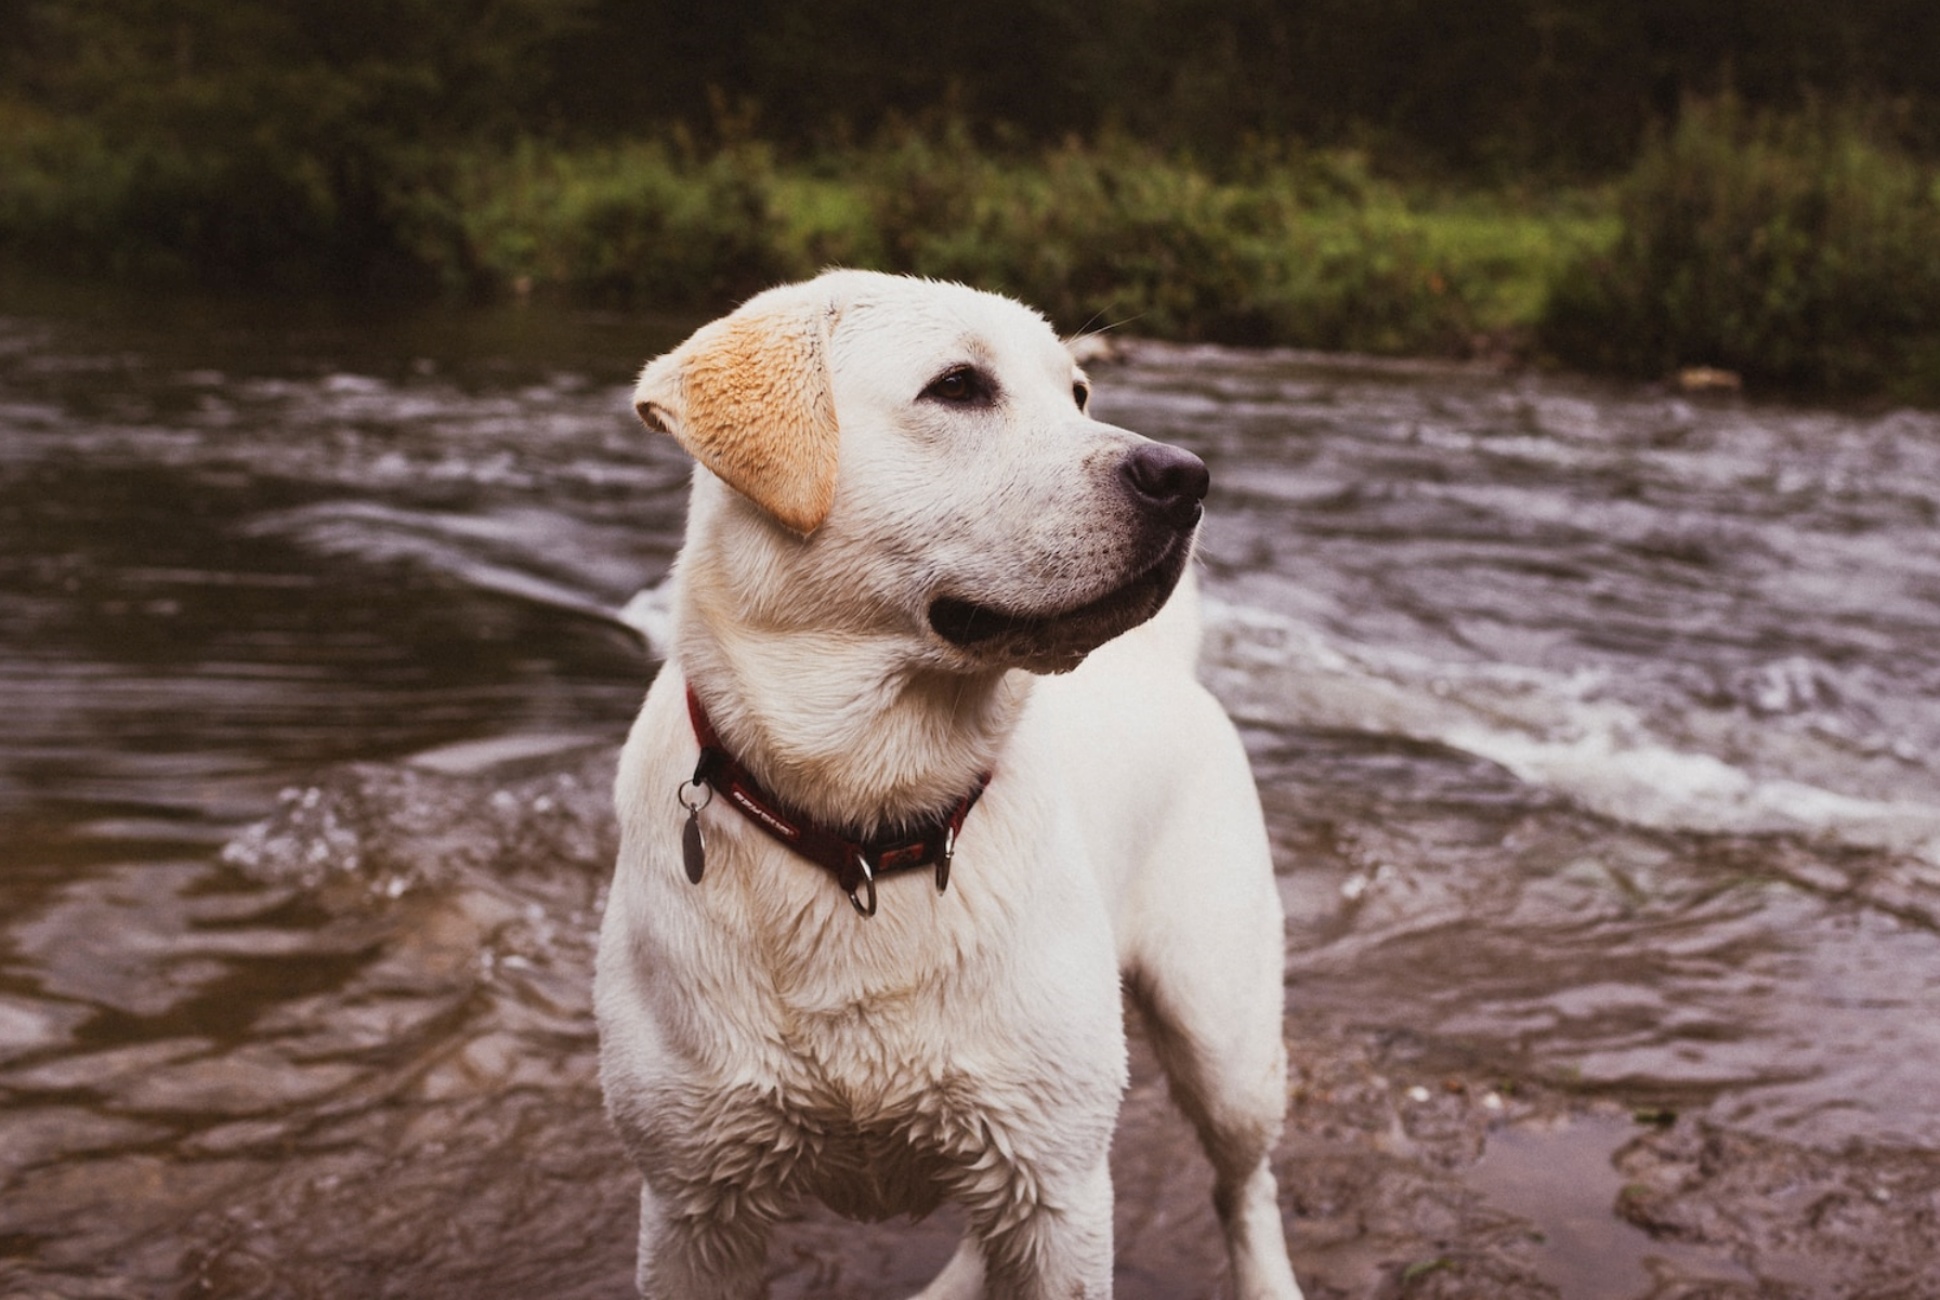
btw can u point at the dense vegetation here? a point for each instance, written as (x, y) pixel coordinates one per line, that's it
(1797, 249)
(1627, 184)
(1310, 250)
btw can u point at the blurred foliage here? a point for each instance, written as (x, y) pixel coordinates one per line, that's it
(250, 139)
(637, 223)
(1557, 85)
(1206, 170)
(1800, 250)
(1307, 249)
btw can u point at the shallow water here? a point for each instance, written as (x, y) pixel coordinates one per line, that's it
(1597, 728)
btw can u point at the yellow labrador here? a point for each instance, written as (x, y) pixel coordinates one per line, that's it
(914, 792)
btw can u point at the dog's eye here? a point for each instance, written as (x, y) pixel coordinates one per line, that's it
(961, 386)
(1081, 394)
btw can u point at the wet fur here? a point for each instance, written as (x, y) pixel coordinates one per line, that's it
(760, 1041)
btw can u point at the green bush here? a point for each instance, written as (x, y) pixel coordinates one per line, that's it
(1307, 251)
(1289, 247)
(1797, 251)
(1090, 236)
(1300, 249)
(631, 224)
(75, 199)
(290, 143)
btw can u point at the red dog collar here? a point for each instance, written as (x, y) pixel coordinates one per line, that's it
(855, 863)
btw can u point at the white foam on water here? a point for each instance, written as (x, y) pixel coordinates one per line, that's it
(530, 555)
(1559, 732)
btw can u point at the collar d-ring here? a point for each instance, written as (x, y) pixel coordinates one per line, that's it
(867, 884)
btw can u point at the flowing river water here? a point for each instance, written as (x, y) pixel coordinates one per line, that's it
(1598, 730)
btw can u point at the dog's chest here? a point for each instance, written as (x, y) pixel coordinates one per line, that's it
(875, 1171)
(870, 1132)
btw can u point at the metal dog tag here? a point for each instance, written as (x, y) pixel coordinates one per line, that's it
(693, 844)
(693, 847)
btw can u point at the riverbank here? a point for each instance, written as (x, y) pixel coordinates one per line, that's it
(1310, 250)
(1794, 252)
(1303, 248)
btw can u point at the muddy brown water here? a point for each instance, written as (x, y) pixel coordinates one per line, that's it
(1598, 731)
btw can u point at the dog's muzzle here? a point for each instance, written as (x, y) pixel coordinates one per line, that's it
(1166, 488)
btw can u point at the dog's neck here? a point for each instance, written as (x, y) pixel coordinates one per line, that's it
(833, 729)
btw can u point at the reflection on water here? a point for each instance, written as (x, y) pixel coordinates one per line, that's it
(1597, 731)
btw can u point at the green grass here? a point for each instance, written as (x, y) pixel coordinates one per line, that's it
(1309, 251)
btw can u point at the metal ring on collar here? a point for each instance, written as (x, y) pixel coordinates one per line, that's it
(868, 884)
(943, 859)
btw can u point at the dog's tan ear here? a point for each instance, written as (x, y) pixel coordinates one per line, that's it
(748, 396)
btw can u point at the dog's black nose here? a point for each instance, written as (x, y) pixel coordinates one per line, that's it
(1168, 481)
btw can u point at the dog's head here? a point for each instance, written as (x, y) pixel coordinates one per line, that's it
(917, 458)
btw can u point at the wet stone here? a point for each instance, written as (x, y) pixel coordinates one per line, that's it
(1853, 1223)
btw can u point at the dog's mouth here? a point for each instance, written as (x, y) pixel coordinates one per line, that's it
(1058, 639)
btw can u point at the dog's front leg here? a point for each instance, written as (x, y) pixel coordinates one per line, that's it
(718, 1256)
(1059, 1248)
